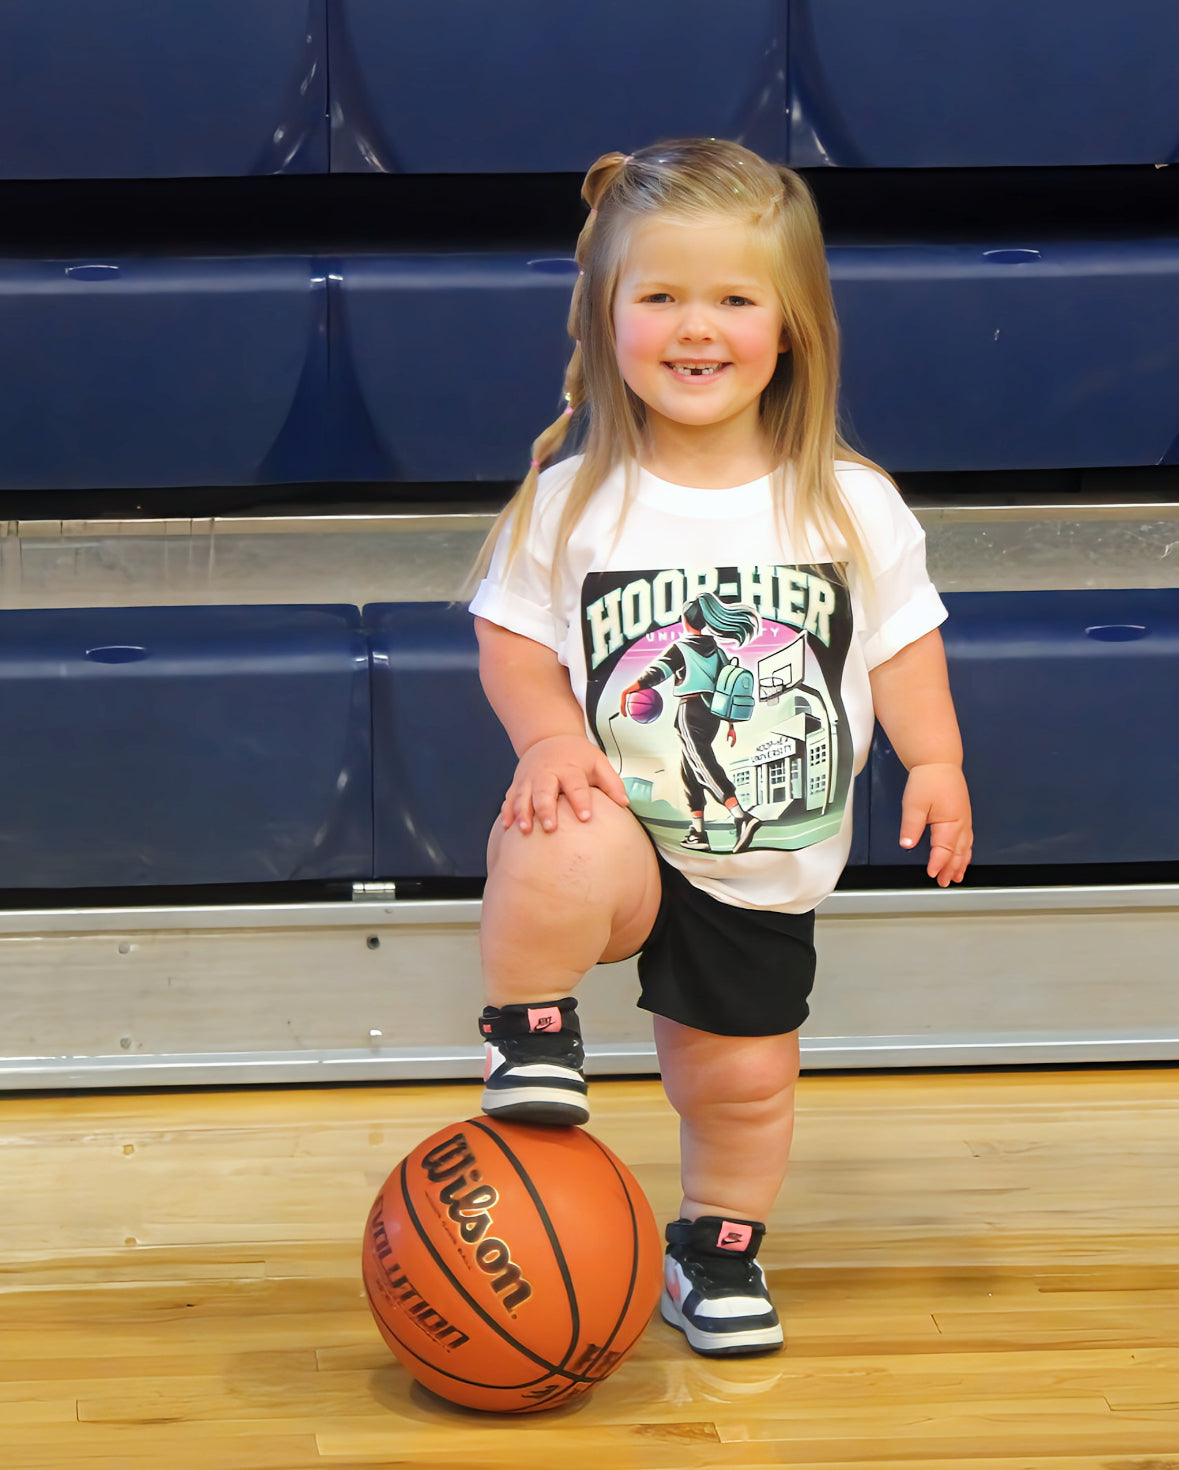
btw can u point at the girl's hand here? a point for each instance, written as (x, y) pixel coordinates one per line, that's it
(556, 766)
(936, 796)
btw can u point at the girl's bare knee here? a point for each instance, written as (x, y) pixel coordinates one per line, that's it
(584, 860)
(703, 1072)
(749, 1103)
(769, 1077)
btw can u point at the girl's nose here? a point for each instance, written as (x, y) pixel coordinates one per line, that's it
(695, 325)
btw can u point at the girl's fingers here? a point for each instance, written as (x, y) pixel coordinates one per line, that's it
(578, 793)
(544, 809)
(607, 779)
(517, 809)
(535, 799)
(948, 861)
(913, 818)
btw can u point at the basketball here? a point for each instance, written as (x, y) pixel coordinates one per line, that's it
(511, 1267)
(644, 705)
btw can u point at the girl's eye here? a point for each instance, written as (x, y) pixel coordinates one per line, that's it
(738, 301)
(658, 297)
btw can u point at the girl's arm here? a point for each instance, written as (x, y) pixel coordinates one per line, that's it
(911, 697)
(528, 688)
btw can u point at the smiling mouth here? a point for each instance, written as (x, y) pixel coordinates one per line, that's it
(696, 369)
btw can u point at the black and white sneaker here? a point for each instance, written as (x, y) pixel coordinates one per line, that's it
(696, 841)
(714, 1291)
(534, 1063)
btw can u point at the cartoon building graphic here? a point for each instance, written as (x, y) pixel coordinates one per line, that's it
(742, 775)
(793, 766)
(797, 763)
(818, 763)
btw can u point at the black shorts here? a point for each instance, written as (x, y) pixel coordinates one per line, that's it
(731, 971)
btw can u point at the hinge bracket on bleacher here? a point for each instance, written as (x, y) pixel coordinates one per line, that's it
(373, 892)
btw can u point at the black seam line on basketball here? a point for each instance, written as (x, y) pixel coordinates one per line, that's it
(559, 1255)
(567, 1386)
(473, 1304)
(634, 1252)
(554, 1242)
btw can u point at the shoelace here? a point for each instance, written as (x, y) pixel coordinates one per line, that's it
(734, 1273)
(561, 1047)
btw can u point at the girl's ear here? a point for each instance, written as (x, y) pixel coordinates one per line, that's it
(783, 341)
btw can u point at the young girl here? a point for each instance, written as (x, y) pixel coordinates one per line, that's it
(704, 379)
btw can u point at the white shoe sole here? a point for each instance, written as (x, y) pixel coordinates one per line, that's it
(555, 1106)
(721, 1344)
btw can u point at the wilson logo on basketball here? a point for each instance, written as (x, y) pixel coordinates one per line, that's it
(469, 1203)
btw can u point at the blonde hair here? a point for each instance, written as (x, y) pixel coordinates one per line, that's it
(696, 180)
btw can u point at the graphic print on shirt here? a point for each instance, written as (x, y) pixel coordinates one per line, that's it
(715, 692)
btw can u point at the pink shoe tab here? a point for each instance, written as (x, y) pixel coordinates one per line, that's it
(734, 1237)
(544, 1018)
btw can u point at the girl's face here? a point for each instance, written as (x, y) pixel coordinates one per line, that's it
(697, 325)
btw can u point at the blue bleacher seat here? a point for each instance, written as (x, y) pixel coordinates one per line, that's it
(921, 83)
(442, 761)
(445, 367)
(1068, 703)
(123, 89)
(526, 88)
(155, 371)
(985, 356)
(184, 745)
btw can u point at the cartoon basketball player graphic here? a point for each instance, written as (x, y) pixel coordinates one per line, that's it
(705, 687)
(717, 692)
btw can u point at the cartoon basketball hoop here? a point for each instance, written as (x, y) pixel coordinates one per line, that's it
(781, 670)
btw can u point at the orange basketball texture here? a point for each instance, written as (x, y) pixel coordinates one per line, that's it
(510, 1267)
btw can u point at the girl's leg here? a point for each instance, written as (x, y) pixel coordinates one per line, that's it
(735, 1098)
(555, 904)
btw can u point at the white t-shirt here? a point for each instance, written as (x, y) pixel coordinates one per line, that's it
(616, 617)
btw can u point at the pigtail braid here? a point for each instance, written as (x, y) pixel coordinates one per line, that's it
(550, 440)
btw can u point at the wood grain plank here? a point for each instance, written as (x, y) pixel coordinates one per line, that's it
(976, 1271)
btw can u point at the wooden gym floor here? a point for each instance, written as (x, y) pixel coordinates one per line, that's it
(977, 1272)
